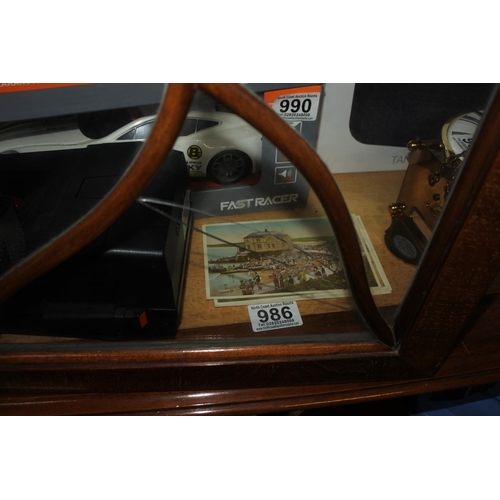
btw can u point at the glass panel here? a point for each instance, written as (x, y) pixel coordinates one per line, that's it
(61, 152)
(143, 131)
(396, 150)
(188, 128)
(238, 180)
(203, 124)
(129, 136)
(258, 233)
(99, 124)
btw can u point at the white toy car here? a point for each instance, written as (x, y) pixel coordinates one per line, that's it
(220, 146)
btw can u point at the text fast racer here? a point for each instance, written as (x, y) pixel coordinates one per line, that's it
(259, 202)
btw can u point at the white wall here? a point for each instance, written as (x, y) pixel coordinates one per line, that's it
(336, 146)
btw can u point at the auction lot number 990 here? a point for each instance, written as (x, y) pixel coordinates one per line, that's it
(295, 105)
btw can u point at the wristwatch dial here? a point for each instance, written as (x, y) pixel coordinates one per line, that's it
(458, 133)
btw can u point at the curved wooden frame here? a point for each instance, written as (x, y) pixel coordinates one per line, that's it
(167, 126)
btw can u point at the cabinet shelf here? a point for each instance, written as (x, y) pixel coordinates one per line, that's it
(367, 195)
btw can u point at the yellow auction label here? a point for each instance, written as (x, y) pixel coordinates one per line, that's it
(194, 152)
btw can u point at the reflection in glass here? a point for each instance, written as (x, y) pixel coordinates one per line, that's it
(237, 177)
(432, 170)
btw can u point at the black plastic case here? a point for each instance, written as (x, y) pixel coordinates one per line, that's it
(128, 282)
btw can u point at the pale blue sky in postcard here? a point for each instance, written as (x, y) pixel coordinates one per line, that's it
(295, 228)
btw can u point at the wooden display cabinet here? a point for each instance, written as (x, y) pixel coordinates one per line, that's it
(443, 319)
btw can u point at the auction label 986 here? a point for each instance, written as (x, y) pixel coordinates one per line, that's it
(273, 316)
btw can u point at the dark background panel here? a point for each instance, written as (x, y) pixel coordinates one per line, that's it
(391, 114)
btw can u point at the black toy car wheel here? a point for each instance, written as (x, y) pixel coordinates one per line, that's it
(228, 167)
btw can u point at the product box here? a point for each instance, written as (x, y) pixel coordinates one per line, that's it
(278, 184)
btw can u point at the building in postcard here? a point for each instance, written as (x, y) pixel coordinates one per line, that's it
(267, 241)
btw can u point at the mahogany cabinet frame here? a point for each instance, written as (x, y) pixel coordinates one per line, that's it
(443, 304)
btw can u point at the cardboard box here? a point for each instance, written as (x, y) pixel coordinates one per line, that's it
(279, 184)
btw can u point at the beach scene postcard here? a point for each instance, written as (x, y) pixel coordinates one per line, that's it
(281, 259)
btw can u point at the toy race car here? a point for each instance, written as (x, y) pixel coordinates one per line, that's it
(220, 146)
